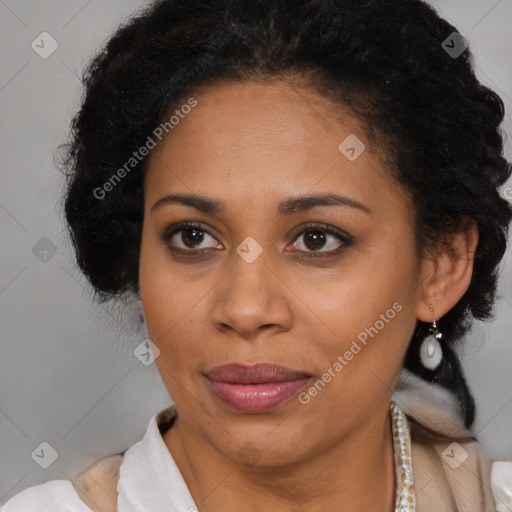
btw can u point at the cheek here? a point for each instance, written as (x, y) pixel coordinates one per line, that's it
(161, 292)
(173, 304)
(370, 303)
(365, 286)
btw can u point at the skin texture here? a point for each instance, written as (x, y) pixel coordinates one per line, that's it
(252, 145)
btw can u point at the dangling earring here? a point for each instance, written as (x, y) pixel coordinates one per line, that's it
(431, 352)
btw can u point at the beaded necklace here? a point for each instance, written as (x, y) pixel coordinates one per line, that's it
(405, 497)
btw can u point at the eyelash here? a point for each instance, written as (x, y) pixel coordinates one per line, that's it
(325, 228)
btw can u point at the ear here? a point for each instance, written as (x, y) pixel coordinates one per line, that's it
(446, 273)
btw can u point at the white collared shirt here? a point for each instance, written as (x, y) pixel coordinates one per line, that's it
(149, 480)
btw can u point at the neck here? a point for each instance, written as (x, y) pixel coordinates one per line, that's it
(356, 473)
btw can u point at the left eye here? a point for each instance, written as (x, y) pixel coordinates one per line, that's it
(315, 238)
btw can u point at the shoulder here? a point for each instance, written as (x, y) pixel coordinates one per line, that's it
(93, 490)
(456, 469)
(55, 495)
(97, 486)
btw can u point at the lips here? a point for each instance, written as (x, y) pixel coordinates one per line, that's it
(236, 373)
(257, 388)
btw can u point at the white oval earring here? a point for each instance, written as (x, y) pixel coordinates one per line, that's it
(431, 353)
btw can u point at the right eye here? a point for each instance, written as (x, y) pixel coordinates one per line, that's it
(191, 236)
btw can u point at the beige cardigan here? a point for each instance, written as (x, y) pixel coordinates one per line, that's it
(444, 479)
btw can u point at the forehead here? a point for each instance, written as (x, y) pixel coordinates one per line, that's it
(255, 141)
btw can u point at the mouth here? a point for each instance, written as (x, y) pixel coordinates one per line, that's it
(257, 388)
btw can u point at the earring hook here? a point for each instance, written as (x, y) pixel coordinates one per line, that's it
(434, 322)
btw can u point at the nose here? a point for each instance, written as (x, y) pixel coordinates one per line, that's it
(252, 298)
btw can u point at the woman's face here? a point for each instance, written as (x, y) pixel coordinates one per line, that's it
(245, 284)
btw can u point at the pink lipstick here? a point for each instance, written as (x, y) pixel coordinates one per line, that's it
(256, 388)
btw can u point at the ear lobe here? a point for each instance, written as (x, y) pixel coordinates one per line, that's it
(448, 274)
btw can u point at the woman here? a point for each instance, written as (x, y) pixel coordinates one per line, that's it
(304, 195)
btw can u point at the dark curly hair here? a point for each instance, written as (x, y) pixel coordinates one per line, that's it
(382, 59)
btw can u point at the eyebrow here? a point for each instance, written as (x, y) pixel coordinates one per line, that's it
(286, 207)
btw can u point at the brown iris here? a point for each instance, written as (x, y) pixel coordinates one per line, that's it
(314, 239)
(191, 237)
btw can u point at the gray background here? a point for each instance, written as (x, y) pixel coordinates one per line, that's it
(68, 375)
